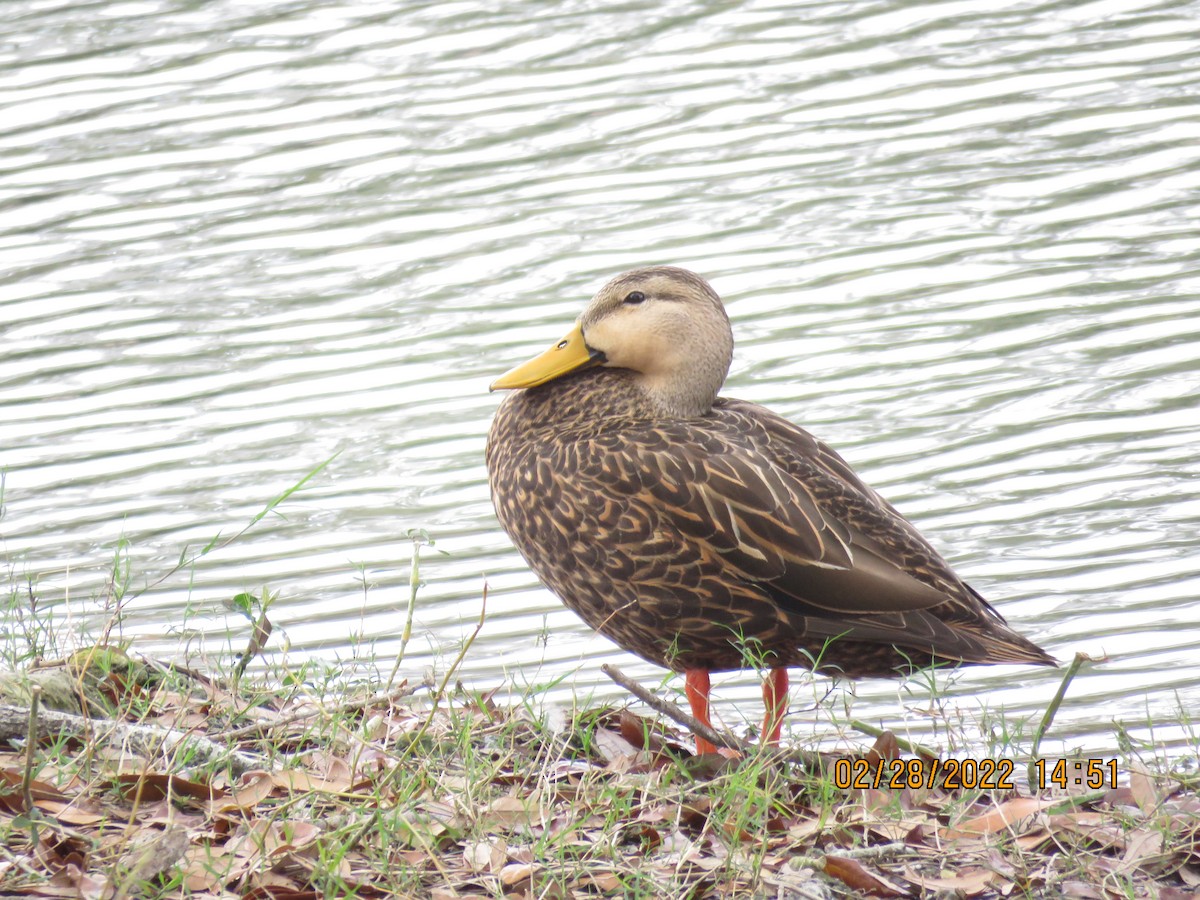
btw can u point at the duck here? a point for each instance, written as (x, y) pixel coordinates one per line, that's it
(708, 534)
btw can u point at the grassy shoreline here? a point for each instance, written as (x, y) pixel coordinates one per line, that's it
(298, 786)
(217, 781)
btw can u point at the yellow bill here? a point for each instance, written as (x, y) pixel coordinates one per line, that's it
(568, 355)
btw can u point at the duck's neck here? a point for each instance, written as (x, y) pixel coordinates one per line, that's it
(675, 397)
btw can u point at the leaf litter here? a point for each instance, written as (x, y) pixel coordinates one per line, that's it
(386, 796)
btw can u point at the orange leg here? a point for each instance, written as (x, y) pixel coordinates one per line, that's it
(775, 699)
(696, 685)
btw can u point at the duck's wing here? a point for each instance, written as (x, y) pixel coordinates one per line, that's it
(796, 530)
(794, 523)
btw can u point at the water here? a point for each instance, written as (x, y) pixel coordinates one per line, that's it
(959, 245)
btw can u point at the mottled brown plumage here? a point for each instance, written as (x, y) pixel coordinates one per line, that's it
(706, 533)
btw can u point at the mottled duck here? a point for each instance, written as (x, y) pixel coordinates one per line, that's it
(704, 533)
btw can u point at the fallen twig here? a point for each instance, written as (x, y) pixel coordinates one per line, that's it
(696, 727)
(142, 739)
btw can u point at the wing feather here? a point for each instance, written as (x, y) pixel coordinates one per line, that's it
(774, 526)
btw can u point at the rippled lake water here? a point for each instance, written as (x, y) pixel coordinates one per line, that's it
(959, 244)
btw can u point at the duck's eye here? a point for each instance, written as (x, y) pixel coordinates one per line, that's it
(633, 298)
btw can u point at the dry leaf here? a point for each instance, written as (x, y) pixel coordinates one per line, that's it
(485, 856)
(803, 831)
(605, 882)
(298, 834)
(694, 814)
(200, 868)
(508, 813)
(14, 778)
(1145, 794)
(1141, 846)
(646, 836)
(610, 745)
(514, 873)
(886, 749)
(555, 718)
(1092, 826)
(877, 799)
(1082, 891)
(1032, 839)
(919, 836)
(75, 883)
(1002, 817)
(332, 769)
(156, 786)
(853, 875)
(1190, 876)
(967, 883)
(253, 788)
(69, 813)
(302, 782)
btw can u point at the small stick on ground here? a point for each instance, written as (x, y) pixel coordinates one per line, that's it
(810, 761)
(145, 739)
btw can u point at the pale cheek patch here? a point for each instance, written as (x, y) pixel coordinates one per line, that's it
(630, 344)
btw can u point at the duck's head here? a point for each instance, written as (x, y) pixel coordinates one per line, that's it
(664, 324)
